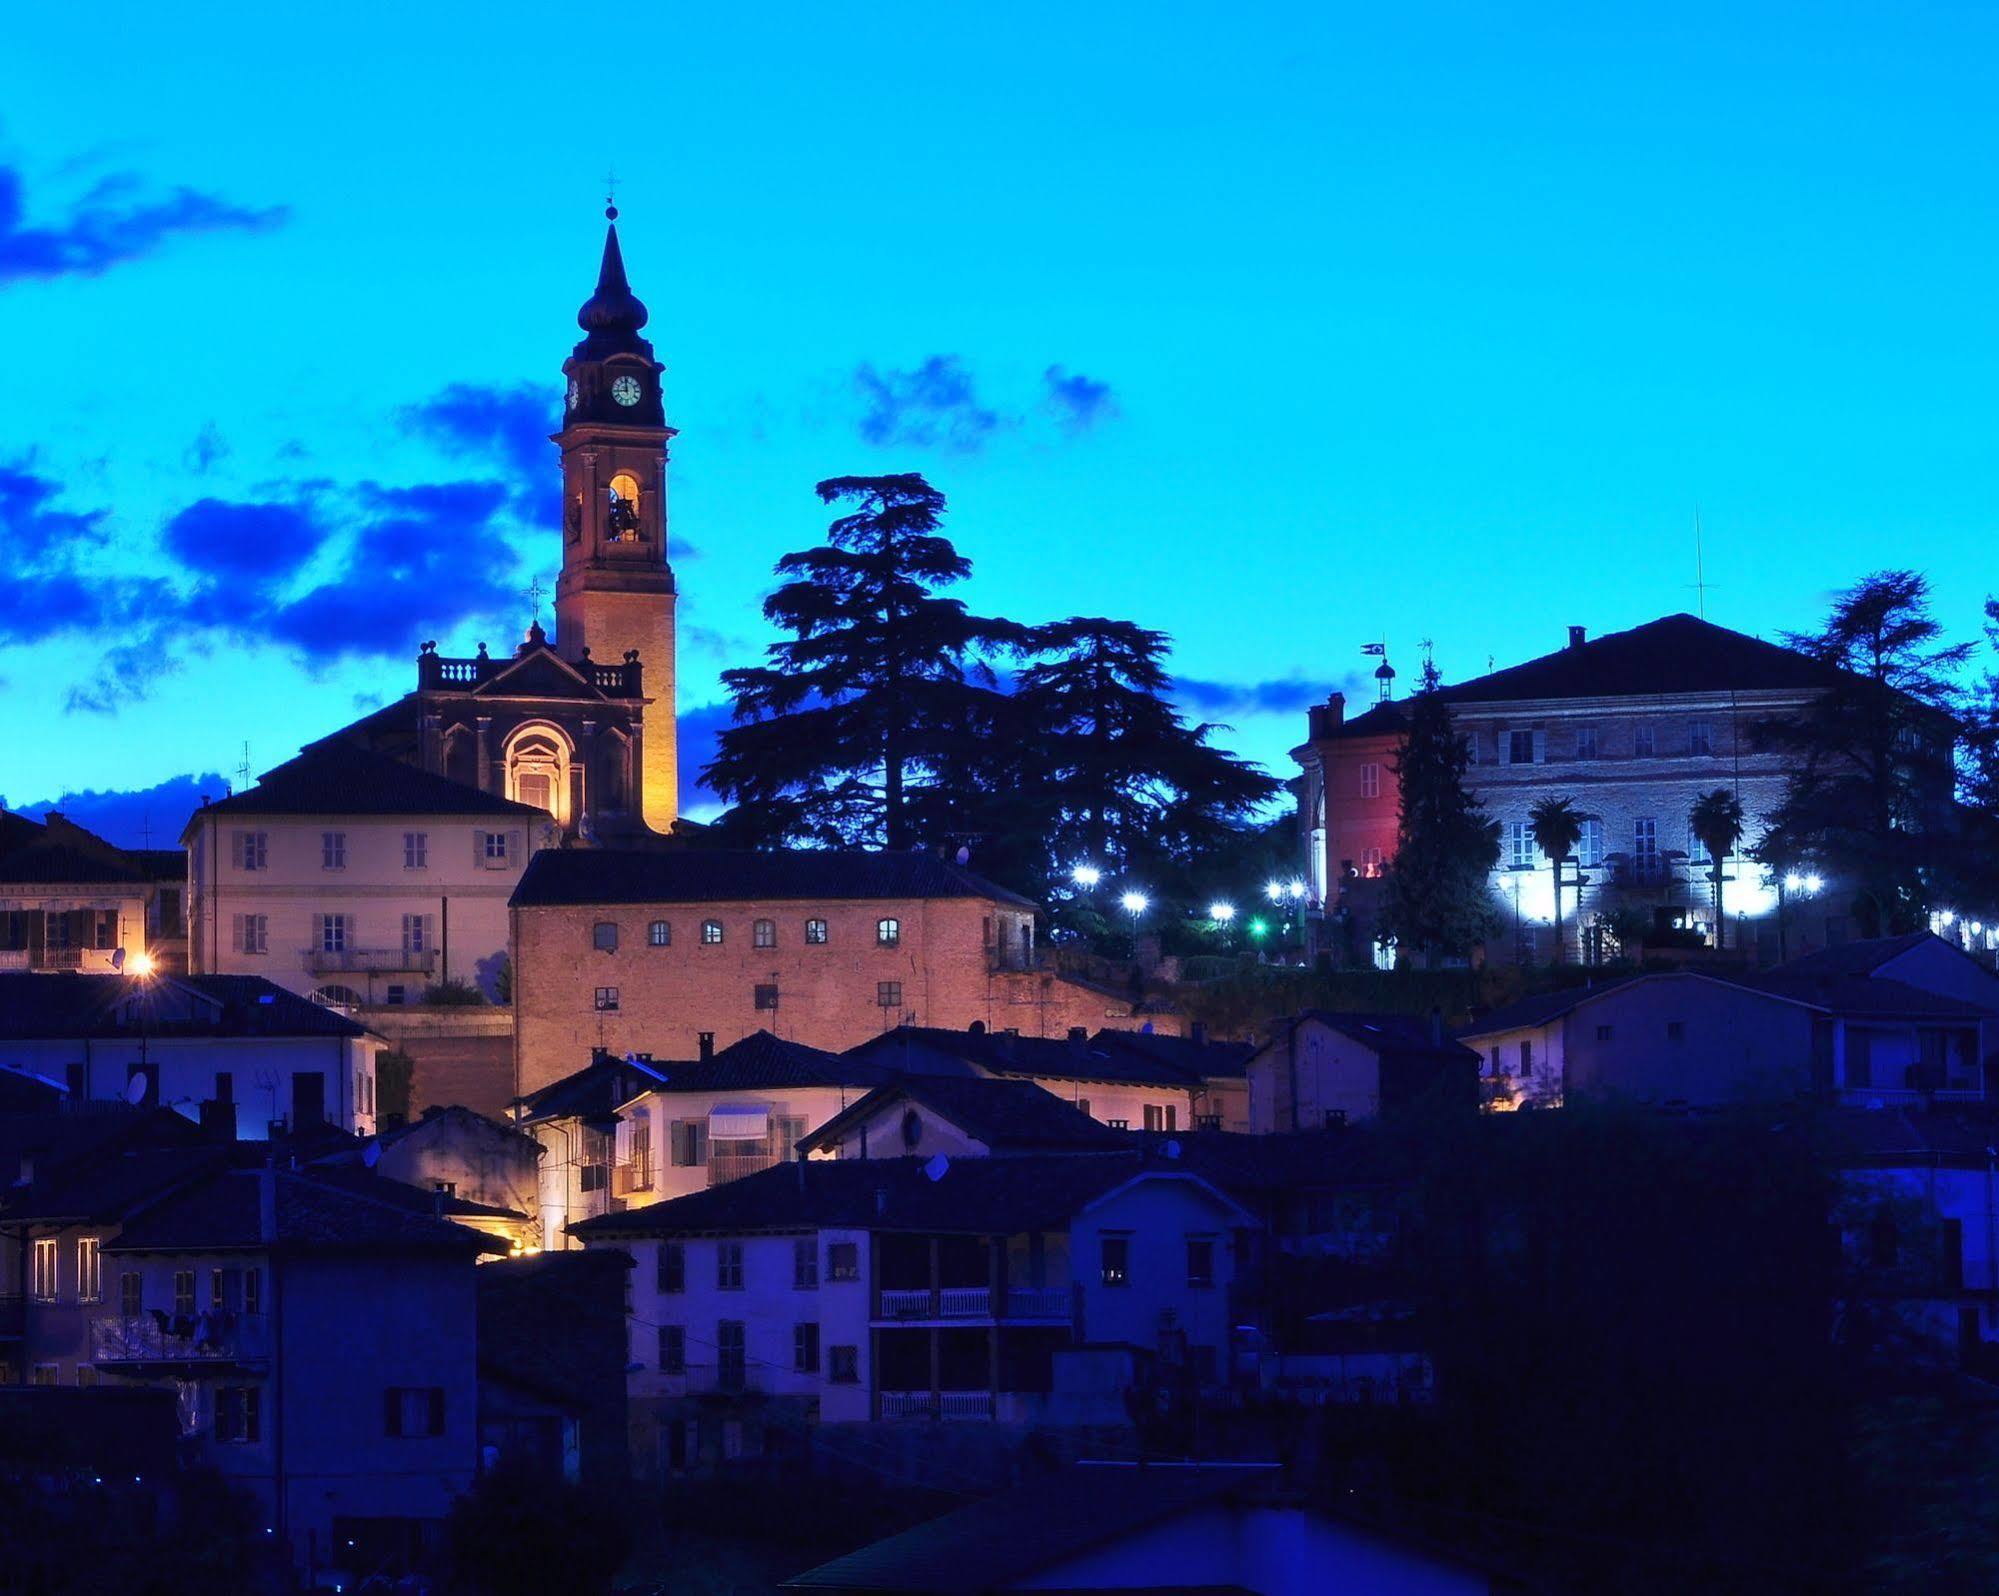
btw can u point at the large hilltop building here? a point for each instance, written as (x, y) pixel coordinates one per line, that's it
(581, 727)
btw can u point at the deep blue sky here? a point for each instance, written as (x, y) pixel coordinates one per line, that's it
(1279, 328)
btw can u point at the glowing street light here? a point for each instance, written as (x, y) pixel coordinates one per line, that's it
(1296, 890)
(1086, 875)
(1794, 882)
(1221, 913)
(1274, 891)
(1257, 928)
(140, 965)
(1135, 903)
(1814, 883)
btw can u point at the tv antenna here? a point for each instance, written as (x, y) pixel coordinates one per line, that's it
(1700, 566)
(243, 770)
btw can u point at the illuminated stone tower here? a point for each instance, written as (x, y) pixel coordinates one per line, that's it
(615, 595)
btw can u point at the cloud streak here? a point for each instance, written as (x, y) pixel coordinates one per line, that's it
(113, 223)
(937, 405)
(1284, 695)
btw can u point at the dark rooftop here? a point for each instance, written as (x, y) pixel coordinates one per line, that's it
(36, 1006)
(53, 863)
(736, 875)
(1862, 957)
(593, 1092)
(763, 1062)
(1004, 1114)
(310, 1212)
(337, 777)
(1389, 1036)
(929, 1049)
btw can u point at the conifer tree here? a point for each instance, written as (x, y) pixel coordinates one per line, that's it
(1438, 897)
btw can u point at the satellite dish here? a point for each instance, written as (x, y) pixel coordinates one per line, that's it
(371, 1155)
(1169, 1150)
(136, 1089)
(937, 1167)
(117, 958)
(964, 855)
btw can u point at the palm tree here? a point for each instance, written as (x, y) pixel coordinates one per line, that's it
(1557, 828)
(1717, 821)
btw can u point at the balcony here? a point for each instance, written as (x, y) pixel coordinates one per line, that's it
(370, 961)
(162, 1340)
(937, 1405)
(90, 961)
(976, 1302)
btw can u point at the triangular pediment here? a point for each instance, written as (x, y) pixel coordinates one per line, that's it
(539, 673)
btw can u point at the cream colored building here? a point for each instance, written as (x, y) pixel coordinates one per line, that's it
(354, 877)
(69, 900)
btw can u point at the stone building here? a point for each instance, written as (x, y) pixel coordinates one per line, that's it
(69, 900)
(670, 952)
(1631, 727)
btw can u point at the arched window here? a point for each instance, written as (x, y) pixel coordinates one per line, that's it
(538, 759)
(711, 933)
(621, 525)
(764, 934)
(660, 934)
(815, 932)
(888, 933)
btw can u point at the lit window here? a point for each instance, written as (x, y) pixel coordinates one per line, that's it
(764, 934)
(89, 1270)
(843, 1260)
(1117, 1260)
(711, 933)
(607, 1000)
(815, 932)
(888, 933)
(1370, 862)
(333, 850)
(416, 850)
(43, 1282)
(659, 934)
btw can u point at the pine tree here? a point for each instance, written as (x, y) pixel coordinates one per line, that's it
(1438, 897)
(839, 738)
(1869, 799)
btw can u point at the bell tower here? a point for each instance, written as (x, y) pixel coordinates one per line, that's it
(616, 593)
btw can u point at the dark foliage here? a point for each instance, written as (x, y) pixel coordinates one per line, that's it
(1437, 901)
(519, 1532)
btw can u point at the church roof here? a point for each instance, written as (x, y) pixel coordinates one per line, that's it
(337, 777)
(613, 315)
(703, 875)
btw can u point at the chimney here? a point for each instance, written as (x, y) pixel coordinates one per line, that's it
(976, 1028)
(707, 1044)
(1576, 636)
(1079, 1033)
(1197, 1033)
(1324, 720)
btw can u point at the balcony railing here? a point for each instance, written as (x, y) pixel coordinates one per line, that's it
(158, 1337)
(975, 1302)
(370, 961)
(91, 961)
(937, 1404)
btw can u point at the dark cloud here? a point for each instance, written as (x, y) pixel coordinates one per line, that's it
(124, 675)
(31, 527)
(1281, 696)
(505, 425)
(1079, 402)
(260, 542)
(699, 728)
(144, 817)
(113, 223)
(936, 405)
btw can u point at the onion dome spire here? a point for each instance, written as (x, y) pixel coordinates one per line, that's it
(612, 316)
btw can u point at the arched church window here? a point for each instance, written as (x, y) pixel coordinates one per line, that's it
(623, 524)
(538, 771)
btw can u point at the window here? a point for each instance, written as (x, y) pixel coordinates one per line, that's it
(46, 1374)
(1700, 738)
(607, 1000)
(416, 933)
(1469, 742)
(765, 995)
(763, 934)
(670, 1268)
(416, 850)
(253, 1291)
(1645, 837)
(815, 933)
(1585, 742)
(1117, 1260)
(330, 933)
(183, 1293)
(731, 1355)
(1526, 1057)
(1603, 1033)
(85, 1375)
(493, 848)
(843, 1365)
(673, 1349)
(1371, 863)
(413, 1410)
(1520, 844)
(131, 1294)
(89, 1270)
(805, 1263)
(43, 1282)
(225, 1290)
(250, 933)
(1118, 1124)
(1697, 853)
(1370, 781)
(1589, 844)
(888, 933)
(888, 994)
(604, 936)
(1200, 1261)
(1498, 1067)
(728, 1266)
(252, 850)
(1676, 1030)
(805, 1348)
(711, 933)
(1644, 742)
(843, 1261)
(639, 1151)
(239, 1416)
(659, 934)
(1161, 1117)
(1336, 1119)
(333, 850)
(1520, 746)
(688, 1139)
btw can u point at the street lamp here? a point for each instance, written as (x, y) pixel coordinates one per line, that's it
(1135, 903)
(1221, 913)
(1274, 891)
(1086, 876)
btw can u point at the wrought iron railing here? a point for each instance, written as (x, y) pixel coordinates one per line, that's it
(160, 1337)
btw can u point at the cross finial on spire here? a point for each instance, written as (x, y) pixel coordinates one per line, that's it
(532, 593)
(611, 195)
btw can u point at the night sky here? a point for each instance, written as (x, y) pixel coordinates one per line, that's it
(1279, 328)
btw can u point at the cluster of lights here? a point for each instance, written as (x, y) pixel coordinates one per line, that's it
(1221, 912)
(1797, 883)
(1278, 891)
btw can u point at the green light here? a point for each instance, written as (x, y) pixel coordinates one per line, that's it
(1257, 928)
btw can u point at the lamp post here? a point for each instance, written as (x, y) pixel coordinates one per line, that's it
(1222, 915)
(1134, 903)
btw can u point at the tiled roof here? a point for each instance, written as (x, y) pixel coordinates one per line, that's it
(336, 777)
(58, 863)
(594, 1092)
(311, 1212)
(36, 1006)
(1199, 1060)
(1863, 957)
(48, 1142)
(1859, 995)
(1242, 1163)
(359, 1180)
(109, 1184)
(1004, 1114)
(1005, 1540)
(762, 1062)
(1674, 654)
(1397, 1036)
(737, 875)
(923, 1048)
(1538, 1009)
(976, 1196)
(24, 1093)
(539, 1316)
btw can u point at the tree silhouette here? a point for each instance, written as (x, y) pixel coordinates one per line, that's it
(1717, 821)
(1557, 828)
(1438, 898)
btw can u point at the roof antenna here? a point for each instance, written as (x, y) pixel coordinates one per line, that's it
(1700, 566)
(243, 770)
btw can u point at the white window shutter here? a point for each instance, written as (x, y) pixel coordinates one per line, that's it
(237, 941)
(516, 840)
(1540, 746)
(478, 848)
(318, 932)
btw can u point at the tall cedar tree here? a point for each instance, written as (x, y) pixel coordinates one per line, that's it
(1872, 776)
(1115, 774)
(839, 739)
(1438, 899)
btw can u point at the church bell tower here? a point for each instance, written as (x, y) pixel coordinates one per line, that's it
(616, 593)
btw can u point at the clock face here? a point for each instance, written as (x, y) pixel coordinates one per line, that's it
(574, 393)
(626, 390)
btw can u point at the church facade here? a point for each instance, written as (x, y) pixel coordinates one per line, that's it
(583, 726)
